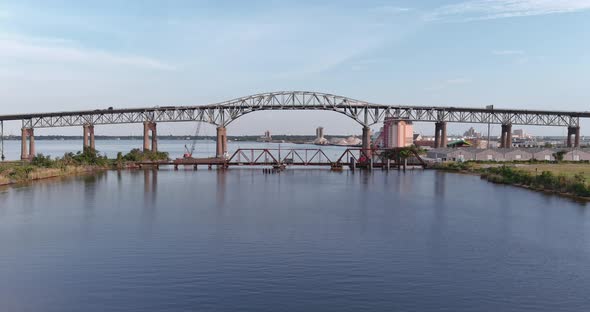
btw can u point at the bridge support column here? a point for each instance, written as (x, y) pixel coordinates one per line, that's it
(88, 140)
(573, 131)
(221, 149)
(367, 141)
(508, 143)
(440, 134)
(443, 134)
(506, 137)
(437, 135)
(154, 138)
(149, 126)
(27, 154)
(85, 136)
(503, 137)
(91, 133)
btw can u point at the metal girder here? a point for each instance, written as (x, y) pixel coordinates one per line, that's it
(366, 114)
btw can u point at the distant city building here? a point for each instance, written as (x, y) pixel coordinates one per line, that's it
(319, 137)
(266, 137)
(319, 133)
(520, 134)
(397, 133)
(481, 143)
(471, 133)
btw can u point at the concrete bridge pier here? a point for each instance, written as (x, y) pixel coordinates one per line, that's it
(367, 141)
(443, 134)
(149, 126)
(573, 131)
(221, 149)
(436, 135)
(506, 136)
(440, 134)
(88, 139)
(27, 154)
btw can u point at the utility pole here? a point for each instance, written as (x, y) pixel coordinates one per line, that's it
(489, 107)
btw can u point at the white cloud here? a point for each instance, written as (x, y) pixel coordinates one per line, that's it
(508, 52)
(391, 9)
(63, 51)
(494, 9)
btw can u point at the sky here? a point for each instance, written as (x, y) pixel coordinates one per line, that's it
(70, 55)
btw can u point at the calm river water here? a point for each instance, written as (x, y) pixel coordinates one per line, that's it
(302, 240)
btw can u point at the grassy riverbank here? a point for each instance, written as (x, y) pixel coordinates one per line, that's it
(88, 161)
(560, 178)
(24, 172)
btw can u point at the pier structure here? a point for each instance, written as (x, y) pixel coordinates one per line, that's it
(150, 127)
(88, 137)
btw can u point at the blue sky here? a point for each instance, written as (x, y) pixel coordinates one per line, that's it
(69, 55)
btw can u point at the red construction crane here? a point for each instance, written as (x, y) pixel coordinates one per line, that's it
(188, 153)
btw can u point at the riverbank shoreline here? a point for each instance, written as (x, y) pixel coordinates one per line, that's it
(506, 174)
(39, 174)
(509, 174)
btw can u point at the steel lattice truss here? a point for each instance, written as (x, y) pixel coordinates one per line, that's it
(366, 114)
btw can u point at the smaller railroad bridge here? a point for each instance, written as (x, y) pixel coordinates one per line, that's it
(304, 157)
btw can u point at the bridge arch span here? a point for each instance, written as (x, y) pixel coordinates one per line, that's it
(296, 100)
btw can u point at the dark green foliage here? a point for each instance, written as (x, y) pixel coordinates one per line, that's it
(559, 155)
(402, 152)
(89, 156)
(43, 161)
(455, 166)
(575, 185)
(136, 155)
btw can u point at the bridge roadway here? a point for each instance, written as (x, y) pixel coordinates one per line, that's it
(222, 114)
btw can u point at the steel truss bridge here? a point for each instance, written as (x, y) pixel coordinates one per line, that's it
(365, 113)
(300, 157)
(222, 114)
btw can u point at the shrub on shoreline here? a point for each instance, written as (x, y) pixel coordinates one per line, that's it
(547, 181)
(139, 155)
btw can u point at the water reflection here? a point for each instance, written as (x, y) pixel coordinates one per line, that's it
(150, 200)
(440, 184)
(221, 186)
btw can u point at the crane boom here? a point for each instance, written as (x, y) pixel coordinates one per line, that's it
(189, 152)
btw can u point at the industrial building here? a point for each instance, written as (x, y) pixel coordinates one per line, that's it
(396, 133)
(506, 154)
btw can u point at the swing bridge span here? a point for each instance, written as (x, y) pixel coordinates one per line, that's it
(302, 157)
(223, 114)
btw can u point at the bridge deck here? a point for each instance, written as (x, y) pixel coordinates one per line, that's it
(365, 113)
